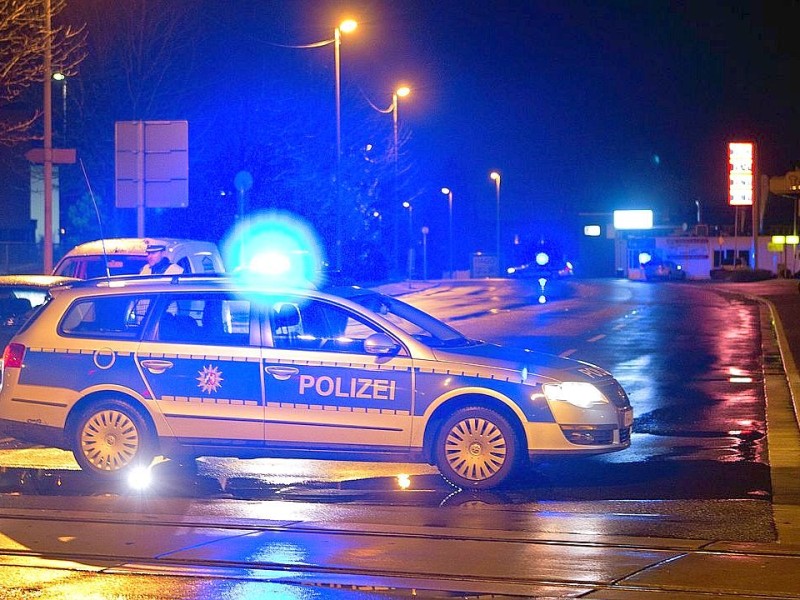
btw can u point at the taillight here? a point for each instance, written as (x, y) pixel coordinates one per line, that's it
(13, 356)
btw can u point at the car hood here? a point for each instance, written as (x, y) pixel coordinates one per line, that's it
(530, 362)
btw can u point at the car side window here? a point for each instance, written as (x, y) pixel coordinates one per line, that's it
(300, 324)
(113, 317)
(184, 264)
(209, 319)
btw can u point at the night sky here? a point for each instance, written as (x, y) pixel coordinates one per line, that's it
(582, 105)
(596, 104)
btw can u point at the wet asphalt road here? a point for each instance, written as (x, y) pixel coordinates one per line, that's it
(689, 356)
(691, 359)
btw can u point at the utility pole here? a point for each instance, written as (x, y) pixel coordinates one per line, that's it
(48, 144)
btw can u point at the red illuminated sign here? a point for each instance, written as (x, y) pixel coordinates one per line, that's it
(741, 167)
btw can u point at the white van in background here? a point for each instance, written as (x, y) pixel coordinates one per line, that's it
(127, 256)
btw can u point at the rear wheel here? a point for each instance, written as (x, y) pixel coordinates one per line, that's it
(111, 438)
(476, 448)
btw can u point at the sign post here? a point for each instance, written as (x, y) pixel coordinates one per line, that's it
(741, 188)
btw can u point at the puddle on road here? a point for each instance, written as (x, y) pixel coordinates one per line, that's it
(547, 481)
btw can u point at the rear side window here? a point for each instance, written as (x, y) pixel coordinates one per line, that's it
(208, 319)
(89, 267)
(112, 317)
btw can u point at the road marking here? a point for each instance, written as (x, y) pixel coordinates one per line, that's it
(596, 338)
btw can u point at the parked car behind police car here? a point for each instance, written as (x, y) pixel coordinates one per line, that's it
(19, 296)
(122, 370)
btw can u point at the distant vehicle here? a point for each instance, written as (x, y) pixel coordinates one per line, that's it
(664, 270)
(121, 371)
(127, 256)
(19, 296)
(543, 265)
(546, 261)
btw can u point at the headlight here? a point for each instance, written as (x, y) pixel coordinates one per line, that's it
(578, 393)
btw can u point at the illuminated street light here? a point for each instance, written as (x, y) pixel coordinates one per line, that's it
(449, 193)
(61, 77)
(495, 176)
(410, 208)
(401, 92)
(346, 26)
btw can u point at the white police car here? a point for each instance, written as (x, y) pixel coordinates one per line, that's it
(124, 369)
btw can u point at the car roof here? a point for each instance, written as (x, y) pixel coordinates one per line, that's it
(35, 280)
(187, 282)
(137, 246)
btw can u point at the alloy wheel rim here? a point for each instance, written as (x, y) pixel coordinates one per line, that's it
(109, 440)
(475, 449)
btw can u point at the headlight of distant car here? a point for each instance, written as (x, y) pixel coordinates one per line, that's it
(577, 393)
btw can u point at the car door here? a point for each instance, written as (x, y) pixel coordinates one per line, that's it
(201, 363)
(323, 391)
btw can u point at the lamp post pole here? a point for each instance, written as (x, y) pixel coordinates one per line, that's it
(410, 208)
(48, 145)
(449, 193)
(61, 77)
(495, 176)
(346, 27)
(337, 40)
(400, 92)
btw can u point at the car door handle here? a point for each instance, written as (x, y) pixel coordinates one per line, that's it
(282, 373)
(155, 366)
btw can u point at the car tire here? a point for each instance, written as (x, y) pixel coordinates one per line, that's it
(477, 448)
(111, 438)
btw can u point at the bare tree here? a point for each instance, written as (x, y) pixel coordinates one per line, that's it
(23, 41)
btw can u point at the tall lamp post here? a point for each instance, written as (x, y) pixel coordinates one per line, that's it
(449, 193)
(48, 144)
(61, 77)
(401, 92)
(407, 205)
(345, 26)
(495, 176)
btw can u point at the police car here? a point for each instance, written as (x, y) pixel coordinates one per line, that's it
(121, 370)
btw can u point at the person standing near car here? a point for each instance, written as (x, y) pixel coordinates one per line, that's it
(158, 263)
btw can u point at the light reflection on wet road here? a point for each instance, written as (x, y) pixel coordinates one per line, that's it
(689, 358)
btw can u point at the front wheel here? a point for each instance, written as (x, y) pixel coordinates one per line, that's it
(110, 438)
(476, 448)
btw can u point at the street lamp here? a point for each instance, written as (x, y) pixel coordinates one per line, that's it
(346, 26)
(401, 92)
(495, 176)
(60, 76)
(449, 193)
(410, 208)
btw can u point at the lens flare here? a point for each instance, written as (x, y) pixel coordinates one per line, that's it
(140, 478)
(275, 249)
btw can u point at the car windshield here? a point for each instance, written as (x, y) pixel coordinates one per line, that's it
(425, 328)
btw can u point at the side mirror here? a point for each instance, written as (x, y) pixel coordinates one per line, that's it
(381, 344)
